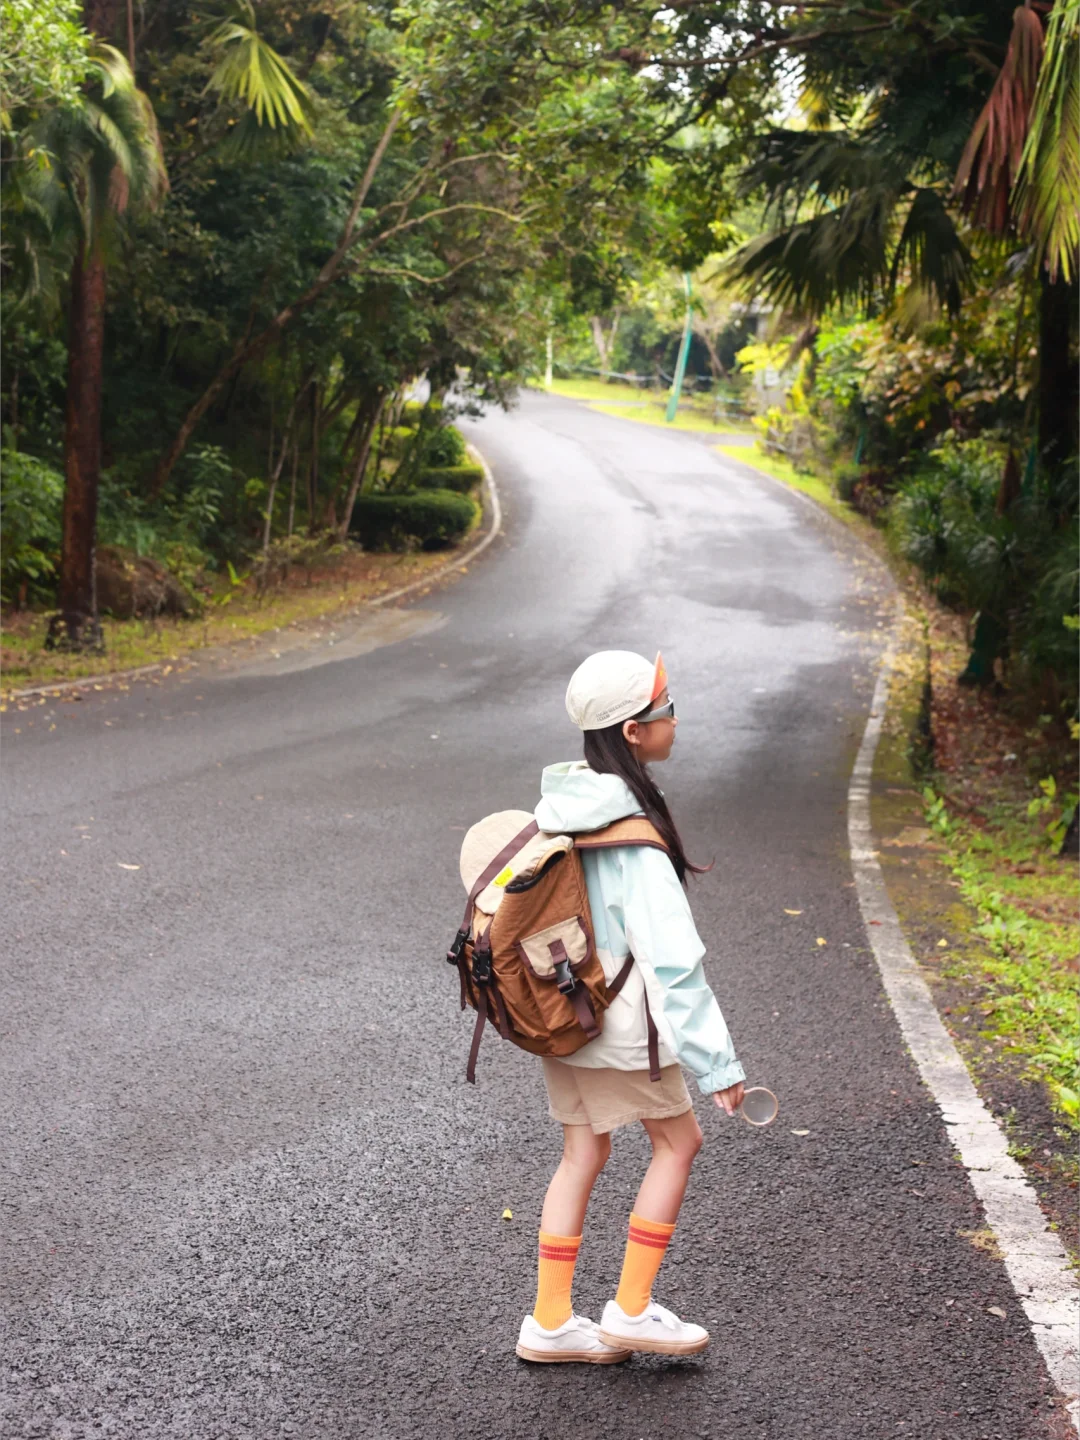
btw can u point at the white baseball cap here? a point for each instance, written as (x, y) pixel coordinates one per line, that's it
(611, 686)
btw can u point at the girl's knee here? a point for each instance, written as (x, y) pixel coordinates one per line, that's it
(587, 1152)
(684, 1142)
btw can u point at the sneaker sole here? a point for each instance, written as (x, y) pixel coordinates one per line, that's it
(655, 1347)
(587, 1357)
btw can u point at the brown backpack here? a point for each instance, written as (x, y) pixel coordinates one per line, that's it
(525, 952)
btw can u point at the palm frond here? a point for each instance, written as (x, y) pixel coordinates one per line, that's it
(798, 168)
(991, 158)
(813, 264)
(251, 72)
(1047, 192)
(931, 248)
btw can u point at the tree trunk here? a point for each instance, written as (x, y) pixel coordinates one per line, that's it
(604, 340)
(77, 627)
(1058, 400)
(596, 325)
(718, 371)
(358, 470)
(292, 486)
(313, 467)
(275, 474)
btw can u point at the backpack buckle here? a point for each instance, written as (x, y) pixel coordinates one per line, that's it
(453, 955)
(481, 965)
(564, 978)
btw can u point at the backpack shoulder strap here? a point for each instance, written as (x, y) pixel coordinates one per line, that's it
(634, 830)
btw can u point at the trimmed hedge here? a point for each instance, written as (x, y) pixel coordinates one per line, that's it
(430, 518)
(461, 478)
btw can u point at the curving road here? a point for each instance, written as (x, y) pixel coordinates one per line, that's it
(246, 1191)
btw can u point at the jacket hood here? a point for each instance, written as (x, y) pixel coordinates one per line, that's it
(577, 798)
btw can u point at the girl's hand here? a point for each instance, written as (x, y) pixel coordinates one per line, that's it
(729, 1099)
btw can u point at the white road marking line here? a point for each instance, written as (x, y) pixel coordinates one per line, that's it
(1035, 1259)
(470, 555)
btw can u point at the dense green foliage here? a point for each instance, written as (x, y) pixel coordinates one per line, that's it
(429, 519)
(377, 215)
(462, 478)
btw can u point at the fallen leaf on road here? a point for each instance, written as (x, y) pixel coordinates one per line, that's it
(996, 1310)
(792, 912)
(800, 1132)
(508, 1215)
(128, 867)
(820, 941)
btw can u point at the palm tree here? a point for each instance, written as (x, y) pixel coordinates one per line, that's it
(89, 163)
(851, 209)
(96, 159)
(1020, 175)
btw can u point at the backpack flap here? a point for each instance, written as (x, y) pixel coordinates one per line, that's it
(556, 951)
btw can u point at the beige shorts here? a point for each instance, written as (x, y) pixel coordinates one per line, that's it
(606, 1099)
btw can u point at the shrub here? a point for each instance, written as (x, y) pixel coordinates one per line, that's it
(1017, 568)
(461, 478)
(31, 500)
(444, 448)
(429, 519)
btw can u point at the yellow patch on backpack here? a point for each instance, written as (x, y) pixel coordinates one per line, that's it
(504, 877)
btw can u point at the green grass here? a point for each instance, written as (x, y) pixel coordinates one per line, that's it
(1026, 901)
(648, 407)
(130, 644)
(781, 469)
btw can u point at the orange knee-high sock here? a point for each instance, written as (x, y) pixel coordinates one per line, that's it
(558, 1256)
(645, 1248)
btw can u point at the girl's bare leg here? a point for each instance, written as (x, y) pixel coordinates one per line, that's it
(675, 1144)
(584, 1156)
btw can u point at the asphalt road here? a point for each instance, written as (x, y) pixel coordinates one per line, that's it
(247, 1192)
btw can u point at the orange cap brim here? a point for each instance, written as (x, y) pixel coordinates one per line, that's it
(659, 678)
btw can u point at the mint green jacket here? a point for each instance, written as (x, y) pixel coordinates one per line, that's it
(638, 907)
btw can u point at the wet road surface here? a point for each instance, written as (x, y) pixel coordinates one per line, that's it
(246, 1191)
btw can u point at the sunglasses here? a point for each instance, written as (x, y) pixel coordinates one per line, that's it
(665, 712)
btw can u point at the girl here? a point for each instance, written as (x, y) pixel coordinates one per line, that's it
(638, 907)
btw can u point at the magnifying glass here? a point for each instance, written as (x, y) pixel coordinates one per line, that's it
(759, 1107)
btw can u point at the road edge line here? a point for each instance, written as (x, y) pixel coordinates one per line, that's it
(110, 677)
(460, 560)
(1035, 1259)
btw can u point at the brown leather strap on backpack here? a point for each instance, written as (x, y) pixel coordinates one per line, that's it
(654, 1041)
(478, 1033)
(633, 830)
(621, 978)
(650, 1024)
(488, 874)
(583, 1009)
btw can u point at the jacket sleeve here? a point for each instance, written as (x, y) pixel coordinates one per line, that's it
(665, 944)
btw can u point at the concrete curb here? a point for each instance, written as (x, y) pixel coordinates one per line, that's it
(1034, 1258)
(110, 677)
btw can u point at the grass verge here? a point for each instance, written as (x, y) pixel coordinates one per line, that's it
(235, 615)
(988, 908)
(780, 469)
(648, 407)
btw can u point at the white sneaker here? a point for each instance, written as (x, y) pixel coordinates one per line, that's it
(655, 1329)
(575, 1339)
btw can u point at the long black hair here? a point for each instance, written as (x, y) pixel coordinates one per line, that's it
(608, 752)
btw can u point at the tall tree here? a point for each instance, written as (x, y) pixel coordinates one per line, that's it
(101, 157)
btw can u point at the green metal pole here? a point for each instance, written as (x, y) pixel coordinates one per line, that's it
(684, 354)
